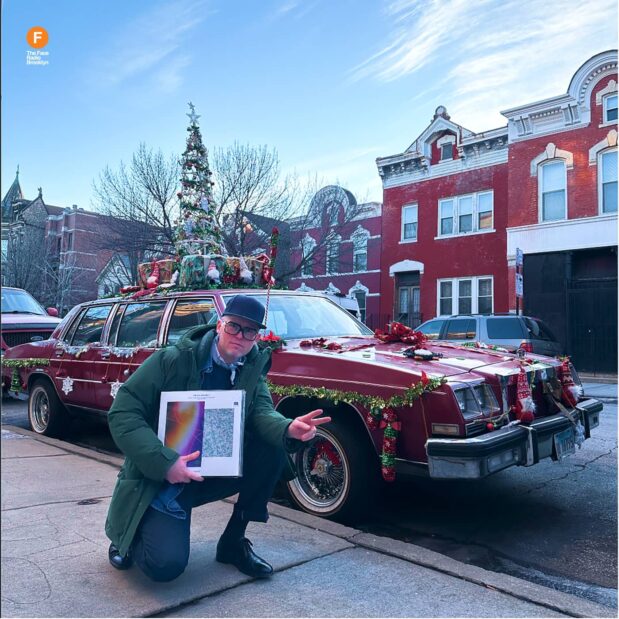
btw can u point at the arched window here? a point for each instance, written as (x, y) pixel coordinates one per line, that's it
(360, 249)
(552, 190)
(607, 181)
(307, 247)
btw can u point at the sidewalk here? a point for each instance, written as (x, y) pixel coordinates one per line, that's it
(54, 559)
(603, 391)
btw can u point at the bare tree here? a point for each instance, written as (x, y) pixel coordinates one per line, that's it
(26, 253)
(61, 280)
(250, 189)
(140, 200)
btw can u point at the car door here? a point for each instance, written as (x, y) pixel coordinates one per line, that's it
(82, 358)
(134, 334)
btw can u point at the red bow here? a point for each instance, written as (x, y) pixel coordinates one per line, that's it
(397, 332)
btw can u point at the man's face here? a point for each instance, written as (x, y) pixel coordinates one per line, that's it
(232, 347)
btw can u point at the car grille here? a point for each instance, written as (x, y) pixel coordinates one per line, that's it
(13, 338)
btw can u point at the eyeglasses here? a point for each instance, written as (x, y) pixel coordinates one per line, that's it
(233, 328)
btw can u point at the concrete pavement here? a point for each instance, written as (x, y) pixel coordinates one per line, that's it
(54, 559)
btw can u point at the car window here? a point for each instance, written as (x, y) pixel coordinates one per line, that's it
(16, 301)
(506, 328)
(300, 316)
(537, 330)
(189, 314)
(461, 329)
(139, 324)
(431, 329)
(90, 326)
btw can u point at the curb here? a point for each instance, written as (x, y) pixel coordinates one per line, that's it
(551, 599)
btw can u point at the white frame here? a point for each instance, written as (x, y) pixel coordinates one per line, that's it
(540, 181)
(605, 108)
(455, 293)
(600, 181)
(456, 214)
(333, 244)
(416, 220)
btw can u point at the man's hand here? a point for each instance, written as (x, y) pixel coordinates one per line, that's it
(180, 474)
(303, 428)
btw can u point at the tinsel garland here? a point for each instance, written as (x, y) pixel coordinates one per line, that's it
(16, 364)
(381, 411)
(24, 363)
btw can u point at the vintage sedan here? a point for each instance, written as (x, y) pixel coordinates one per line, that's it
(399, 404)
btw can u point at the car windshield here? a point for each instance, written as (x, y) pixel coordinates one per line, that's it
(299, 316)
(20, 302)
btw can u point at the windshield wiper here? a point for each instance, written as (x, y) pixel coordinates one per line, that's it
(23, 312)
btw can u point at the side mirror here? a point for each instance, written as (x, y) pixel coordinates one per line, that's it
(52, 311)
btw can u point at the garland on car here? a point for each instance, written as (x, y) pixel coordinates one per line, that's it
(17, 364)
(381, 412)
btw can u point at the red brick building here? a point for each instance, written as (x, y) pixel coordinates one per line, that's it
(457, 205)
(562, 195)
(348, 262)
(443, 225)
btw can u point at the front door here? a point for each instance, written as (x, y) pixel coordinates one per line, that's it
(408, 306)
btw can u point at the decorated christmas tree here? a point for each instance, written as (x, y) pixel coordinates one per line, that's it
(197, 231)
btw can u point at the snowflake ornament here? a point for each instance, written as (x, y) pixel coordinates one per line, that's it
(116, 385)
(67, 385)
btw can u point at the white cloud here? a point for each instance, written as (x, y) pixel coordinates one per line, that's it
(490, 55)
(150, 46)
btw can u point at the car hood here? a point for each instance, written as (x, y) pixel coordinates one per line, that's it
(29, 321)
(453, 359)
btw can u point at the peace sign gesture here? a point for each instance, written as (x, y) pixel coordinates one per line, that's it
(303, 428)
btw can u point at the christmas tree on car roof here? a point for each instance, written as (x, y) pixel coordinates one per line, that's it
(201, 259)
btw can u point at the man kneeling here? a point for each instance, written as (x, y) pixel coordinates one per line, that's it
(149, 518)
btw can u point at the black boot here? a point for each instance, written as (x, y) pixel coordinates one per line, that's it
(117, 560)
(238, 552)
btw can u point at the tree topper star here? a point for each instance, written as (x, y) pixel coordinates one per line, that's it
(193, 117)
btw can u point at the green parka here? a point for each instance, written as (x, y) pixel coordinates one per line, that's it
(133, 421)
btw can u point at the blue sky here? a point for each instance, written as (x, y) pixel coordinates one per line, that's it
(330, 84)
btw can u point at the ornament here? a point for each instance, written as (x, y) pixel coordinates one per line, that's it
(213, 273)
(67, 385)
(245, 274)
(397, 332)
(525, 407)
(114, 387)
(571, 391)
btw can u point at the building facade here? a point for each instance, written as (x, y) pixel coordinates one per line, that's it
(563, 211)
(458, 205)
(339, 250)
(443, 224)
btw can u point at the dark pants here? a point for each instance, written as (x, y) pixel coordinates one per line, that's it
(161, 545)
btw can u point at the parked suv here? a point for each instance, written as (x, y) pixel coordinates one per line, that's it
(506, 330)
(23, 318)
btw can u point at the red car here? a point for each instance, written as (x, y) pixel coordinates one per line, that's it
(399, 404)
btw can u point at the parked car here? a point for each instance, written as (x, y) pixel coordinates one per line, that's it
(506, 330)
(24, 319)
(464, 428)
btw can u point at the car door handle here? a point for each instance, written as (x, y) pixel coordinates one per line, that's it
(105, 354)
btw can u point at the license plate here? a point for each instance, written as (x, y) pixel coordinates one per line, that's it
(564, 443)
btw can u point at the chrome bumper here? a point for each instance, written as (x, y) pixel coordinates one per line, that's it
(480, 456)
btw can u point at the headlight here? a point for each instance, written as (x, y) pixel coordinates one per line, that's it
(467, 402)
(485, 397)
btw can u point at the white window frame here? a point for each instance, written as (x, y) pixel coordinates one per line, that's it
(455, 293)
(360, 246)
(600, 167)
(333, 250)
(605, 101)
(307, 246)
(456, 214)
(540, 195)
(414, 208)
